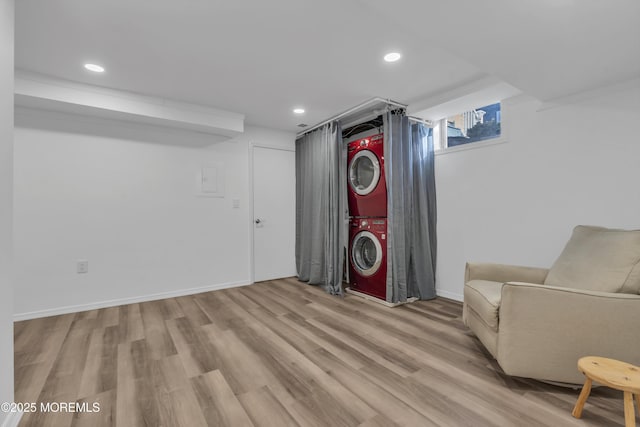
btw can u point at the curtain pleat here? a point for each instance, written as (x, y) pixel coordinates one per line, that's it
(411, 209)
(424, 216)
(320, 204)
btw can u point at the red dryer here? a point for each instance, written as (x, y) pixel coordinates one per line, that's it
(367, 189)
(368, 256)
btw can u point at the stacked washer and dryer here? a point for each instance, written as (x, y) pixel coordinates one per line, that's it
(367, 198)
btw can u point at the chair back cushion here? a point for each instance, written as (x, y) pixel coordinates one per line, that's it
(599, 259)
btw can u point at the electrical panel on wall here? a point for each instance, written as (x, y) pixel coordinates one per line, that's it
(210, 182)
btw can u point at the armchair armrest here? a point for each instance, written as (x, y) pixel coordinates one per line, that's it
(504, 273)
(544, 330)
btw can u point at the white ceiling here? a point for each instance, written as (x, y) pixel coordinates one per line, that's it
(262, 58)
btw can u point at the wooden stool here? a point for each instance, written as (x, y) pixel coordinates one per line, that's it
(612, 373)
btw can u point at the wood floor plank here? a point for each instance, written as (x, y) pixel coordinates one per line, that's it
(109, 316)
(265, 410)
(37, 345)
(284, 330)
(281, 353)
(193, 311)
(375, 396)
(106, 407)
(170, 308)
(197, 354)
(357, 409)
(129, 412)
(378, 421)
(147, 404)
(476, 399)
(347, 354)
(130, 325)
(218, 401)
(294, 380)
(100, 371)
(155, 330)
(322, 409)
(214, 306)
(362, 344)
(184, 409)
(432, 402)
(263, 300)
(39, 340)
(243, 369)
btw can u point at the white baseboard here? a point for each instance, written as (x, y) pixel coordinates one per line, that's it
(123, 301)
(12, 419)
(450, 295)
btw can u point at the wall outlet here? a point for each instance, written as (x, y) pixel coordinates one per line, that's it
(82, 266)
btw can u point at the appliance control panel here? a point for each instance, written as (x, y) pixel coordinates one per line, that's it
(379, 225)
(372, 224)
(366, 142)
(376, 139)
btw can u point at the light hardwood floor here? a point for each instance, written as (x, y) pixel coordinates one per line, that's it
(281, 353)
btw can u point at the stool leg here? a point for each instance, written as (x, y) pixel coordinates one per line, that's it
(638, 401)
(586, 389)
(629, 415)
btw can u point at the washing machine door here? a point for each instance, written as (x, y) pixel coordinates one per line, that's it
(364, 172)
(366, 253)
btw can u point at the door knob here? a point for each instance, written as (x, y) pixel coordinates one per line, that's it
(258, 220)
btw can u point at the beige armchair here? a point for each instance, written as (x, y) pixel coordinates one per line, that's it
(538, 322)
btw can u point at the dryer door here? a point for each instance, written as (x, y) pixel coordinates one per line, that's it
(364, 172)
(366, 253)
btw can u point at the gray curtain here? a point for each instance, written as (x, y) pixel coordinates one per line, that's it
(411, 216)
(320, 205)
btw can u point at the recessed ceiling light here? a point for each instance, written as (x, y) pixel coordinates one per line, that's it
(298, 110)
(94, 67)
(392, 57)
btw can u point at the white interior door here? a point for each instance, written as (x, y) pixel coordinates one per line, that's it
(274, 213)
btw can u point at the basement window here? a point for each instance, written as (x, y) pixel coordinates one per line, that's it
(475, 125)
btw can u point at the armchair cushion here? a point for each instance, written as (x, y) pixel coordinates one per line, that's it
(544, 330)
(599, 259)
(483, 298)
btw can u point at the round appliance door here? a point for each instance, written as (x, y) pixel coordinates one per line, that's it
(366, 253)
(364, 172)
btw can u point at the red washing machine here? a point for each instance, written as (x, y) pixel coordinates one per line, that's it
(367, 188)
(368, 256)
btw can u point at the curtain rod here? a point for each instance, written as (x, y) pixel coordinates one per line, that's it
(351, 111)
(419, 120)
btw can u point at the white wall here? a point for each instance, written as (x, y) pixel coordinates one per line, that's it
(6, 166)
(518, 202)
(123, 197)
